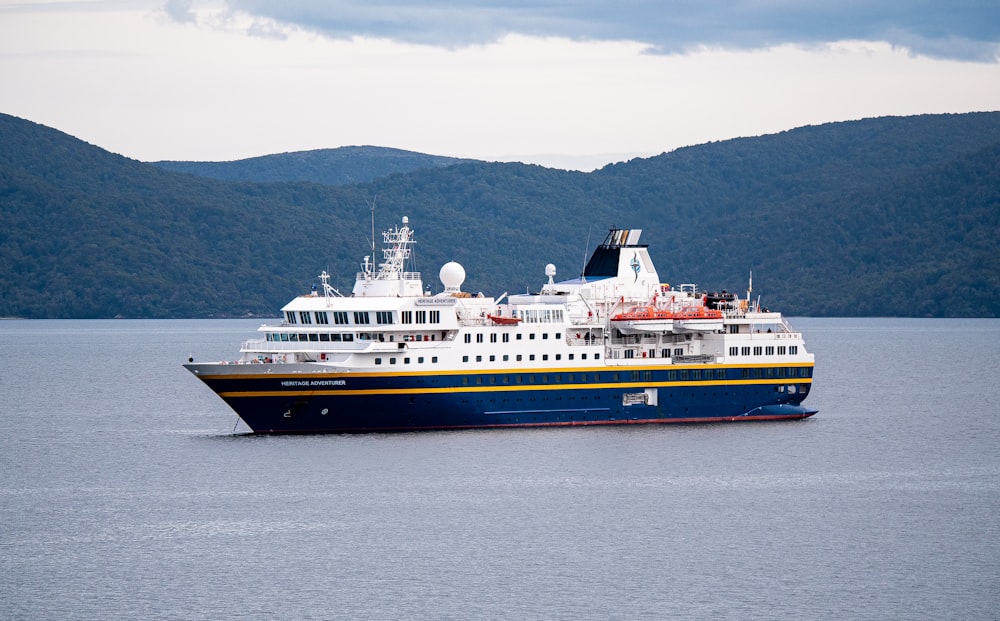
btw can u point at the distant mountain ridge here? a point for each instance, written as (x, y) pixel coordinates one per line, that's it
(339, 166)
(896, 216)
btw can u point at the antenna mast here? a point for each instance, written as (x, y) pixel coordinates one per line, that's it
(371, 205)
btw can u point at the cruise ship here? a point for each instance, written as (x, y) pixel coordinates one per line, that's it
(614, 346)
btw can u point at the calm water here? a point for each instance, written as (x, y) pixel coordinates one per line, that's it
(125, 494)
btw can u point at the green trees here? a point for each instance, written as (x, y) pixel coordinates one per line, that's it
(892, 216)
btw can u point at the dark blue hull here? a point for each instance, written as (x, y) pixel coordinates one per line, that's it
(358, 403)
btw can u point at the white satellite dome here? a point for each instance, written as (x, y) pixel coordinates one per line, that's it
(452, 276)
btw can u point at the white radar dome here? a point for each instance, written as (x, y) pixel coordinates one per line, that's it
(550, 270)
(452, 276)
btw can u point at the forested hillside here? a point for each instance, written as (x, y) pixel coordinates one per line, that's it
(339, 166)
(891, 216)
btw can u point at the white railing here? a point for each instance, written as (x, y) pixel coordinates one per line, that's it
(282, 347)
(375, 276)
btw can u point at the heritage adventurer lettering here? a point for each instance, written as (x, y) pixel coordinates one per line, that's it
(314, 383)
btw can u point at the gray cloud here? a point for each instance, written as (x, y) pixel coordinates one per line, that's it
(964, 29)
(179, 10)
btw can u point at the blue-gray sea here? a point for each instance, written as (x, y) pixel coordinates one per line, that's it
(126, 494)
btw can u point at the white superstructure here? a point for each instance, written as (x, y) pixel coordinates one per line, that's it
(390, 323)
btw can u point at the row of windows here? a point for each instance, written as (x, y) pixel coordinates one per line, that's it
(520, 358)
(407, 360)
(634, 376)
(665, 353)
(312, 336)
(376, 336)
(421, 316)
(506, 337)
(554, 315)
(791, 350)
(776, 372)
(361, 318)
(541, 378)
(338, 337)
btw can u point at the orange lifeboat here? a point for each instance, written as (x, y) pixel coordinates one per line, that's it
(504, 321)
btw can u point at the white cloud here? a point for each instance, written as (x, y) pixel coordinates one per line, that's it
(227, 84)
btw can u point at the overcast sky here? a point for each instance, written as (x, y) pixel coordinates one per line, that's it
(564, 83)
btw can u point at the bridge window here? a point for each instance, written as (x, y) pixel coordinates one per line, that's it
(340, 318)
(322, 318)
(361, 318)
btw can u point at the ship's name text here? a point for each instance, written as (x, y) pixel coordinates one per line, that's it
(314, 383)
